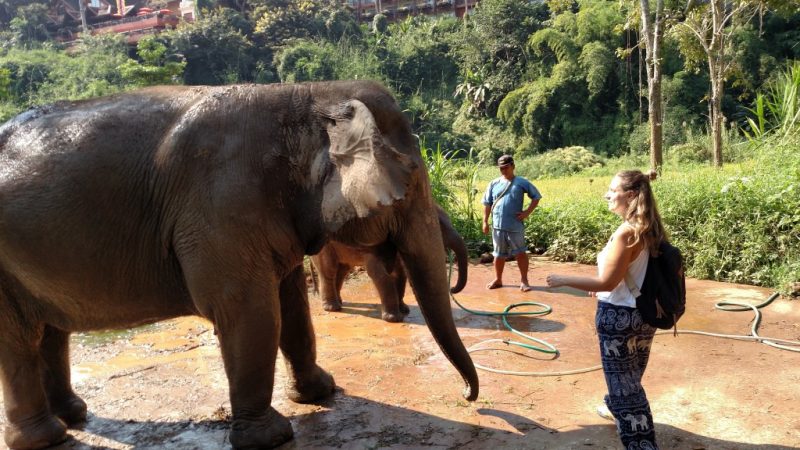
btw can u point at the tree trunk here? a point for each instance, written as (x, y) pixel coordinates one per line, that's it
(653, 35)
(715, 109)
(82, 6)
(716, 71)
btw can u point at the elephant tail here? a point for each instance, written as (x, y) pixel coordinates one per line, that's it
(314, 277)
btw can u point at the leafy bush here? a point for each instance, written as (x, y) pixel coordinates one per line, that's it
(558, 163)
(8, 110)
(489, 137)
(305, 61)
(154, 67)
(571, 231)
(690, 152)
(47, 74)
(677, 130)
(738, 228)
(216, 48)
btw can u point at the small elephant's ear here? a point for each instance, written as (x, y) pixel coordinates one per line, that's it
(368, 172)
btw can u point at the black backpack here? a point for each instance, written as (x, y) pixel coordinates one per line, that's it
(662, 298)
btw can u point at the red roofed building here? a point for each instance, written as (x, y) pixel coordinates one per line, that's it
(400, 9)
(133, 18)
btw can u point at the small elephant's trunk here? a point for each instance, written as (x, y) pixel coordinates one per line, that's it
(455, 242)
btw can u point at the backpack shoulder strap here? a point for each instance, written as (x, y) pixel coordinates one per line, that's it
(505, 191)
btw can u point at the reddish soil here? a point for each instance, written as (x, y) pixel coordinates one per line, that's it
(164, 386)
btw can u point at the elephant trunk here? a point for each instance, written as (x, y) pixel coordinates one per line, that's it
(455, 242)
(428, 278)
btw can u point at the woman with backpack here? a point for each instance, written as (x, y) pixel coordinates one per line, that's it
(625, 339)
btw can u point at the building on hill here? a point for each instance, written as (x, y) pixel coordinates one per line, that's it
(365, 10)
(132, 18)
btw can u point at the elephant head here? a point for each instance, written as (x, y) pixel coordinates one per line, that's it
(377, 190)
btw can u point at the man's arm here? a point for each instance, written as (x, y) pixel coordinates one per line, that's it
(488, 200)
(535, 196)
(522, 215)
(487, 209)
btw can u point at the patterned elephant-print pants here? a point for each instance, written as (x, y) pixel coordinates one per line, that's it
(625, 342)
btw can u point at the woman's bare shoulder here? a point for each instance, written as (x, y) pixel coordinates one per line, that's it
(625, 233)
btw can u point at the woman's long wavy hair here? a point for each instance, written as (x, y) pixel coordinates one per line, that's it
(642, 211)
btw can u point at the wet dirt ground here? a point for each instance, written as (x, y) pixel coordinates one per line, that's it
(164, 386)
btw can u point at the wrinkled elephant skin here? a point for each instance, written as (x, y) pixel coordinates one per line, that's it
(171, 201)
(335, 261)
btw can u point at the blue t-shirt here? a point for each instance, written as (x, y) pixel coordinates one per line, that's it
(504, 215)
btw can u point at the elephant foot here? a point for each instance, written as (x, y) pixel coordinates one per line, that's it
(332, 305)
(315, 387)
(72, 411)
(268, 431)
(41, 431)
(404, 308)
(393, 317)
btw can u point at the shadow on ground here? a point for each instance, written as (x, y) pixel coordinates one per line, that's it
(354, 422)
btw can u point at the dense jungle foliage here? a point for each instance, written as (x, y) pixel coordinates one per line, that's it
(559, 84)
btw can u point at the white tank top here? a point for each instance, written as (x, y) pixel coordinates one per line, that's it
(621, 295)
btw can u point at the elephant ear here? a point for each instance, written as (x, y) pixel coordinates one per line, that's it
(368, 173)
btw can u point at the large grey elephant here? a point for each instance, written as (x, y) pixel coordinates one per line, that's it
(335, 261)
(171, 201)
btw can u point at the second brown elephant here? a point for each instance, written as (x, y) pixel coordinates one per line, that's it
(336, 260)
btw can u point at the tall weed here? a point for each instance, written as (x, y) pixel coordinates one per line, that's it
(454, 182)
(777, 111)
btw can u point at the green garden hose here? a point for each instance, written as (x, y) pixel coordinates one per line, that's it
(782, 344)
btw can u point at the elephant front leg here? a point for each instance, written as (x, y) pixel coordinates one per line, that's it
(248, 329)
(308, 382)
(387, 290)
(31, 425)
(64, 403)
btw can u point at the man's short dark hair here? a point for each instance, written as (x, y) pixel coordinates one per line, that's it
(505, 160)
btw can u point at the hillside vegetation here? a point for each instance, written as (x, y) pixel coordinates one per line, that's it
(558, 84)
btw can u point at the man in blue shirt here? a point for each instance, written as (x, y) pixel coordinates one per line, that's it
(503, 199)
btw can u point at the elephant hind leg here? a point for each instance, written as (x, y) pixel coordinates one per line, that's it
(331, 282)
(400, 286)
(308, 382)
(31, 425)
(387, 289)
(64, 403)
